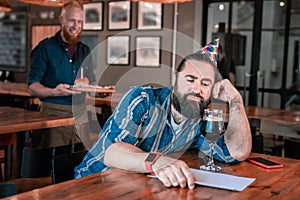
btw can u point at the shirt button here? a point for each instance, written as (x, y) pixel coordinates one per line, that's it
(74, 71)
(66, 49)
(70, 61)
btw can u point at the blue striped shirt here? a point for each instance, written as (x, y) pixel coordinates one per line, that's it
(143, 118)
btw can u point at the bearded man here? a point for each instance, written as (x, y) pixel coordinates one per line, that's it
(149, 124)
(55, 63)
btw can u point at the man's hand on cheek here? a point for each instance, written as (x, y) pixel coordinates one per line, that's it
(225, 91)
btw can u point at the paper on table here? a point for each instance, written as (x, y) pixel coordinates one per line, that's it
(219, 180)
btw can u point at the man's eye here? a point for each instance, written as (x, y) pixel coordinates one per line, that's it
(190, 80)
(205, 83)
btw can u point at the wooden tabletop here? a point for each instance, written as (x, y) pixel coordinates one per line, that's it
(18, 89)
(21, 89)
(120, 184)
(109, 100)
(274, 121)
(272, 113)
(16, 120)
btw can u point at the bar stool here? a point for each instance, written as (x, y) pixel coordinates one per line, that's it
(1, 162)
(6, 141)
(292, 148)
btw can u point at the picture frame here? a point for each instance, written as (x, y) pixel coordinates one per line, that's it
(119, 15)
(93, 16)
(91, 40)
(118, 50)
(149, 16)
(148, 51)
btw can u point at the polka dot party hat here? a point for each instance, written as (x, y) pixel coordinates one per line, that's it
(211, 50)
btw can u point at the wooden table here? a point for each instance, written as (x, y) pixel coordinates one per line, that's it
(120, 184)
(109, 100)
(274, 121)
(18, 90)
(14, 120)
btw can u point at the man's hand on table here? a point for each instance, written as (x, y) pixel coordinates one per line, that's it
(173, 172)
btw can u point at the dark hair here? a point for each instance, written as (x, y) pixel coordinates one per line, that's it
(199, 57)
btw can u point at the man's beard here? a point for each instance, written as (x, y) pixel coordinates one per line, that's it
(70, 39)
(188, 108)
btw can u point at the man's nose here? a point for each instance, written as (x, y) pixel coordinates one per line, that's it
(197, 89)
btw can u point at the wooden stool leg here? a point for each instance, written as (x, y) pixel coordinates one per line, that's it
(7, 140)
(1, 176)
(7, 162)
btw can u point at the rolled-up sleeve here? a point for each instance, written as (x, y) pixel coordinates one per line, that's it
(122, 126)
(38, 67)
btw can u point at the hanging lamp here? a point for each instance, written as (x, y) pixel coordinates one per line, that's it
(164, 1)
(52, 3)
(5, 6)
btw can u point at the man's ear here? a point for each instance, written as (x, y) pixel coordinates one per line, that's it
(174, 76)
(60, 19)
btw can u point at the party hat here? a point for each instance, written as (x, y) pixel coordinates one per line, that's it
(211, 50)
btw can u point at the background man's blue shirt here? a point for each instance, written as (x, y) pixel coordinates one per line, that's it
(51, 64)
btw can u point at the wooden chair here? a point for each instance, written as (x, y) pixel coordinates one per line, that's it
(291, 148)
(36, 162)
(6, 141)
(66, 149)
(35, 169)
(7, 189)
(63, 166)
(1, 162)
(273, 145)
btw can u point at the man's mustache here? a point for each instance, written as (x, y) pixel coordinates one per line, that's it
(195, 95)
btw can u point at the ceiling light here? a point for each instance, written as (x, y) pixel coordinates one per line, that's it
(53, 3)
(281, 3)
(164, 1)
(4, 6)
(221, 7)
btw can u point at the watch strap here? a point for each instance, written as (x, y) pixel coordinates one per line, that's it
(150, 160)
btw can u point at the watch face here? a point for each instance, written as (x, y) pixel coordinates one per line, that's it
(151, 157)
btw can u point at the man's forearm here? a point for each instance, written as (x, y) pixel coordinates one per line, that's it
(38, 90)
(125, 156)
(238, 134)
(170, 171)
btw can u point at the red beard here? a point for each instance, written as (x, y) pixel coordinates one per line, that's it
(69, 38)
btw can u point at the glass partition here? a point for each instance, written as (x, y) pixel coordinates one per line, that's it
(276, 71)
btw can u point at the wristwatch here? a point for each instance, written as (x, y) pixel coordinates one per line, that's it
(150, 160)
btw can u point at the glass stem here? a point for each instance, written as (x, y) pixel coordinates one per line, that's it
(211, 157)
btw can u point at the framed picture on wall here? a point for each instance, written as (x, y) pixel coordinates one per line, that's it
(93, 16)
(119, 15)
(148, 51)
(91, 40)
(149, 16)
(118, 50)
